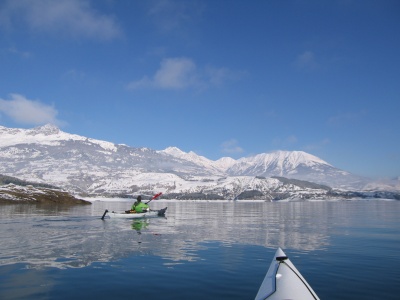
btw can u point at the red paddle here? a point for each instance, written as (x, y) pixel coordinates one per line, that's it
(154, 197)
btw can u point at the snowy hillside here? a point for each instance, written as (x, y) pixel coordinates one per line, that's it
(193, 158)
(15, 193)
(87, 166)
(45, 135)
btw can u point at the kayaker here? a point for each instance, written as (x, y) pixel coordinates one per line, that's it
(139, 206)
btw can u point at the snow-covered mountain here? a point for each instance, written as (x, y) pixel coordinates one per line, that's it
(291, 164)
(45, 135)
(89, 166)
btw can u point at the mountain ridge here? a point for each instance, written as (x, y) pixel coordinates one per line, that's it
(89, 166)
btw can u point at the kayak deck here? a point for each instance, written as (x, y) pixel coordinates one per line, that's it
(148, 214)
(284, 281)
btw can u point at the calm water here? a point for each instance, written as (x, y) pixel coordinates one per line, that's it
(201, 250)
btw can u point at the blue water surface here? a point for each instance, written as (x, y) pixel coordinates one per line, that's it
(200, 250)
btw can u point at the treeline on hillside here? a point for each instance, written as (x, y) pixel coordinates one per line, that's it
(302, 183)
(9, 179)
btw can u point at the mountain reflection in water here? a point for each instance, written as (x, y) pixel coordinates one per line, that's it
(201, 250)
(75, 237)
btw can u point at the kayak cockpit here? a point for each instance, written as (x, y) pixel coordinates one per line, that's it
(128, 215)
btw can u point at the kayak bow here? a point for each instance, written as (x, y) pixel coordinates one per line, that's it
(284, 281)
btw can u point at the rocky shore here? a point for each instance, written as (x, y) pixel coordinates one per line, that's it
(12, 193)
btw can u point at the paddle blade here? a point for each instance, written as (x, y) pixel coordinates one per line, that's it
(106, 211)
(156, 196)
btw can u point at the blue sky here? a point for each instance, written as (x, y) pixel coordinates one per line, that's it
(220, 78)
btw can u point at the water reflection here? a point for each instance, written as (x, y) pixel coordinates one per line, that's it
(75, 237)
(139, 225)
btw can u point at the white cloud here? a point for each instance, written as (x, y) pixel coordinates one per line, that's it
(174, 16)
(347, 118)
(181, 73)
(231, 146)
(30, 112)
(23, 54)
(317, 145)
(306, 61)
(174, 73)
(71, 17)
(291, 139)
(288, 141)
(218, 76)
(138, 84)
(75, 74)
